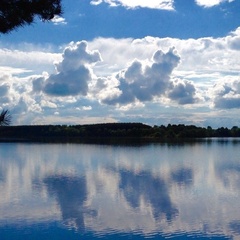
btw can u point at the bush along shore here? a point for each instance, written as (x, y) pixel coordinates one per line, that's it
(112, 132)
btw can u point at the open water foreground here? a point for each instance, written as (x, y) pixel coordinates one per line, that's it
(154, 191)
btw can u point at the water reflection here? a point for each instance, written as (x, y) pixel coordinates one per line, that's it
(70, 193)
(229, 175)
(143, 186)
(2, 174)
(150, 191)
(235, 227)
(183, 176)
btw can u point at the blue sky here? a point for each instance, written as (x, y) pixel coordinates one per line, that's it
(157, 62)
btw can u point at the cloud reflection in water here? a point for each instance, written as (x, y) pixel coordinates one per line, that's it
(70, 193)
(105, 189)
(153, 190)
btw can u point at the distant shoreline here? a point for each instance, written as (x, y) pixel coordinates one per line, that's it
(112, 132)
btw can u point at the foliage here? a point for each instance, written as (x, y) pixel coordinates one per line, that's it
(5, 118)
(17, 13)
(98, 133)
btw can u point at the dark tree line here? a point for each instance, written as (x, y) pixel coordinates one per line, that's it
(192, 131)
(119, 131)
(18, 13)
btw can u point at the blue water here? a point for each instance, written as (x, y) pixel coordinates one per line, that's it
(157, 191)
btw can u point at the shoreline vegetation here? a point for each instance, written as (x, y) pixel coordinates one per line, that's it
(113, 133)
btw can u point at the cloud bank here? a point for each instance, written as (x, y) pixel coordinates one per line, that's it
(153, 80)
(155, 4)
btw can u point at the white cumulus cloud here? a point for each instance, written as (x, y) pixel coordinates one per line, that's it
(211, 3)
(58, 20)
(227, 93)
(154, 4)
(73, 72)
(183, 92)
(130, 79)
(140, 82)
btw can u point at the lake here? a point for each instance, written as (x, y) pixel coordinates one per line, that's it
(153, 191)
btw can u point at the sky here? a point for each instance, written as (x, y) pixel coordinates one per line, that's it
(155, 62)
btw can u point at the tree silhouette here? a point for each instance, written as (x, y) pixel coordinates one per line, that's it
(18, 13)
(5, 118)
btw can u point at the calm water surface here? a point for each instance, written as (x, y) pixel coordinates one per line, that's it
(157, 191)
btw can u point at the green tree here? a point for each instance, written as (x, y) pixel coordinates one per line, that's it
(18, 13)
(5, 118)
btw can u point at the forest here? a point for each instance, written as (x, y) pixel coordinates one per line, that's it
(111, 131)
